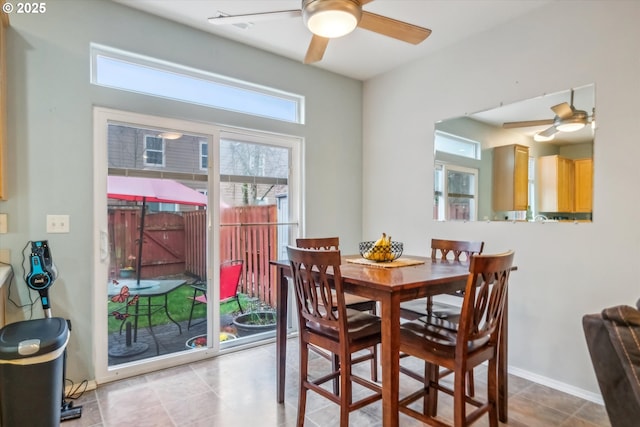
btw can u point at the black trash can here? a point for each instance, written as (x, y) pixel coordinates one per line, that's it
(31, 368)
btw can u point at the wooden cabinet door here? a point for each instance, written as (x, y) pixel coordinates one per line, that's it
(583, 174)
(565, 185)
(547, 184)
(510, 178)
(521, 178)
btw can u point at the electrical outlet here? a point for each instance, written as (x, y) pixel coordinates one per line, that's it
(3, 223)
(57, 223)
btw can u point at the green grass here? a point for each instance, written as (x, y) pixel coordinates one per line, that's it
(179, 303)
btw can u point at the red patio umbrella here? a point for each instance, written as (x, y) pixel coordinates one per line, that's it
(141, 189)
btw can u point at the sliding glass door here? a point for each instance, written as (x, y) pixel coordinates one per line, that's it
(189, 216)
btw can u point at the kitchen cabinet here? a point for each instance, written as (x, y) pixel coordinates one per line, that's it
(555, 184)
(583, 183)
(510, 178)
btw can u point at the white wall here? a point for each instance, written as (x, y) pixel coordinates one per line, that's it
(564, 270)
(50, 136)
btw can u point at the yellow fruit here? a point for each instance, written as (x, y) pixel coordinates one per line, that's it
(381, 249)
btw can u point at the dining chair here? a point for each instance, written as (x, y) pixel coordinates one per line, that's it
(441, 249)
(474, 342)
(447, 316)
(351, 301)
(230, 273)
(325, 322)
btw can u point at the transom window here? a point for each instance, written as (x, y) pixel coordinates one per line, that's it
(456, 145)
(142, 74)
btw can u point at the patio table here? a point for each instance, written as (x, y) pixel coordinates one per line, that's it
(145, 289)
(389, 286)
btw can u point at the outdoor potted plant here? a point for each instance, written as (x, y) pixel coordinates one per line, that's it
(128, 271)
(258, 319)
(201, 340)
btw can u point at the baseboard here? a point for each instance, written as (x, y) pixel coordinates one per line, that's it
(557, 385)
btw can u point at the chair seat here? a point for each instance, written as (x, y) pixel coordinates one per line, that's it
(438, 339)
(360, 325)
(450, 324)
(418, 307)
(202, 299)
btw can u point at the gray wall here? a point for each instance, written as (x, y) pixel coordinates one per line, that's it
(50, 136)
(564, 270)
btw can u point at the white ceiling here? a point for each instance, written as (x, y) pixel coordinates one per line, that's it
(364, 54)
(361, 54)
(540, 109)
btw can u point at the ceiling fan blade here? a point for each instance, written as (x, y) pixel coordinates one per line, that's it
(393, 28)
(548, 131)
(526, 124)
(223, 19)
(316, 49)
(563, 110)
(363, 2)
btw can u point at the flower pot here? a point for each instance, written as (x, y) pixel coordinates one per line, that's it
(201, 340)
(255, 322)
(127, 273)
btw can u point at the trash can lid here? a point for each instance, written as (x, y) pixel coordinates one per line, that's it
(30, 338)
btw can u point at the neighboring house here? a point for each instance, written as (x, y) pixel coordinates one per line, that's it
(249, 172)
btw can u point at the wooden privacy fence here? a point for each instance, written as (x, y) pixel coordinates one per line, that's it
(164, 242)
(248, 233)
(176, 243)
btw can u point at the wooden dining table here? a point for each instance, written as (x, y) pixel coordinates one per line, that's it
(389, 286)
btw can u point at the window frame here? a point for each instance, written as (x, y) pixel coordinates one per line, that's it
(204, 146)
(162, 151)
(442, 213)
(441, 138)
(255, 99)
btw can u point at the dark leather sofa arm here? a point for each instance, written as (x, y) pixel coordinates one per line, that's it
(613, 339)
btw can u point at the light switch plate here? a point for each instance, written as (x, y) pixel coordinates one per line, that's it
(57, 223)
(3, 223)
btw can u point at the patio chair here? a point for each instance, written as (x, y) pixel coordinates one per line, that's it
(230, 273)
(325, 322)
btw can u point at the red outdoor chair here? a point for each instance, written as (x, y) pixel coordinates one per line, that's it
(230, 272)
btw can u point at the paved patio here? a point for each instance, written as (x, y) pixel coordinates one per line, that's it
(169, 339)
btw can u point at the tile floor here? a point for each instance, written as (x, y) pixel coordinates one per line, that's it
(238, 389)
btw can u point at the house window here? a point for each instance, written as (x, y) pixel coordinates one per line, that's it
(456, 193)
(163, 207)
(123, 70)
(204, 155)
(153, 151)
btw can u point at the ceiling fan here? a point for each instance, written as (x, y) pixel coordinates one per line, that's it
(567, 119)
(328, 19)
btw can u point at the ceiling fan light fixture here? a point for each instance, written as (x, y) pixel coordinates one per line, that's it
(331, 18)
(571, 124)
